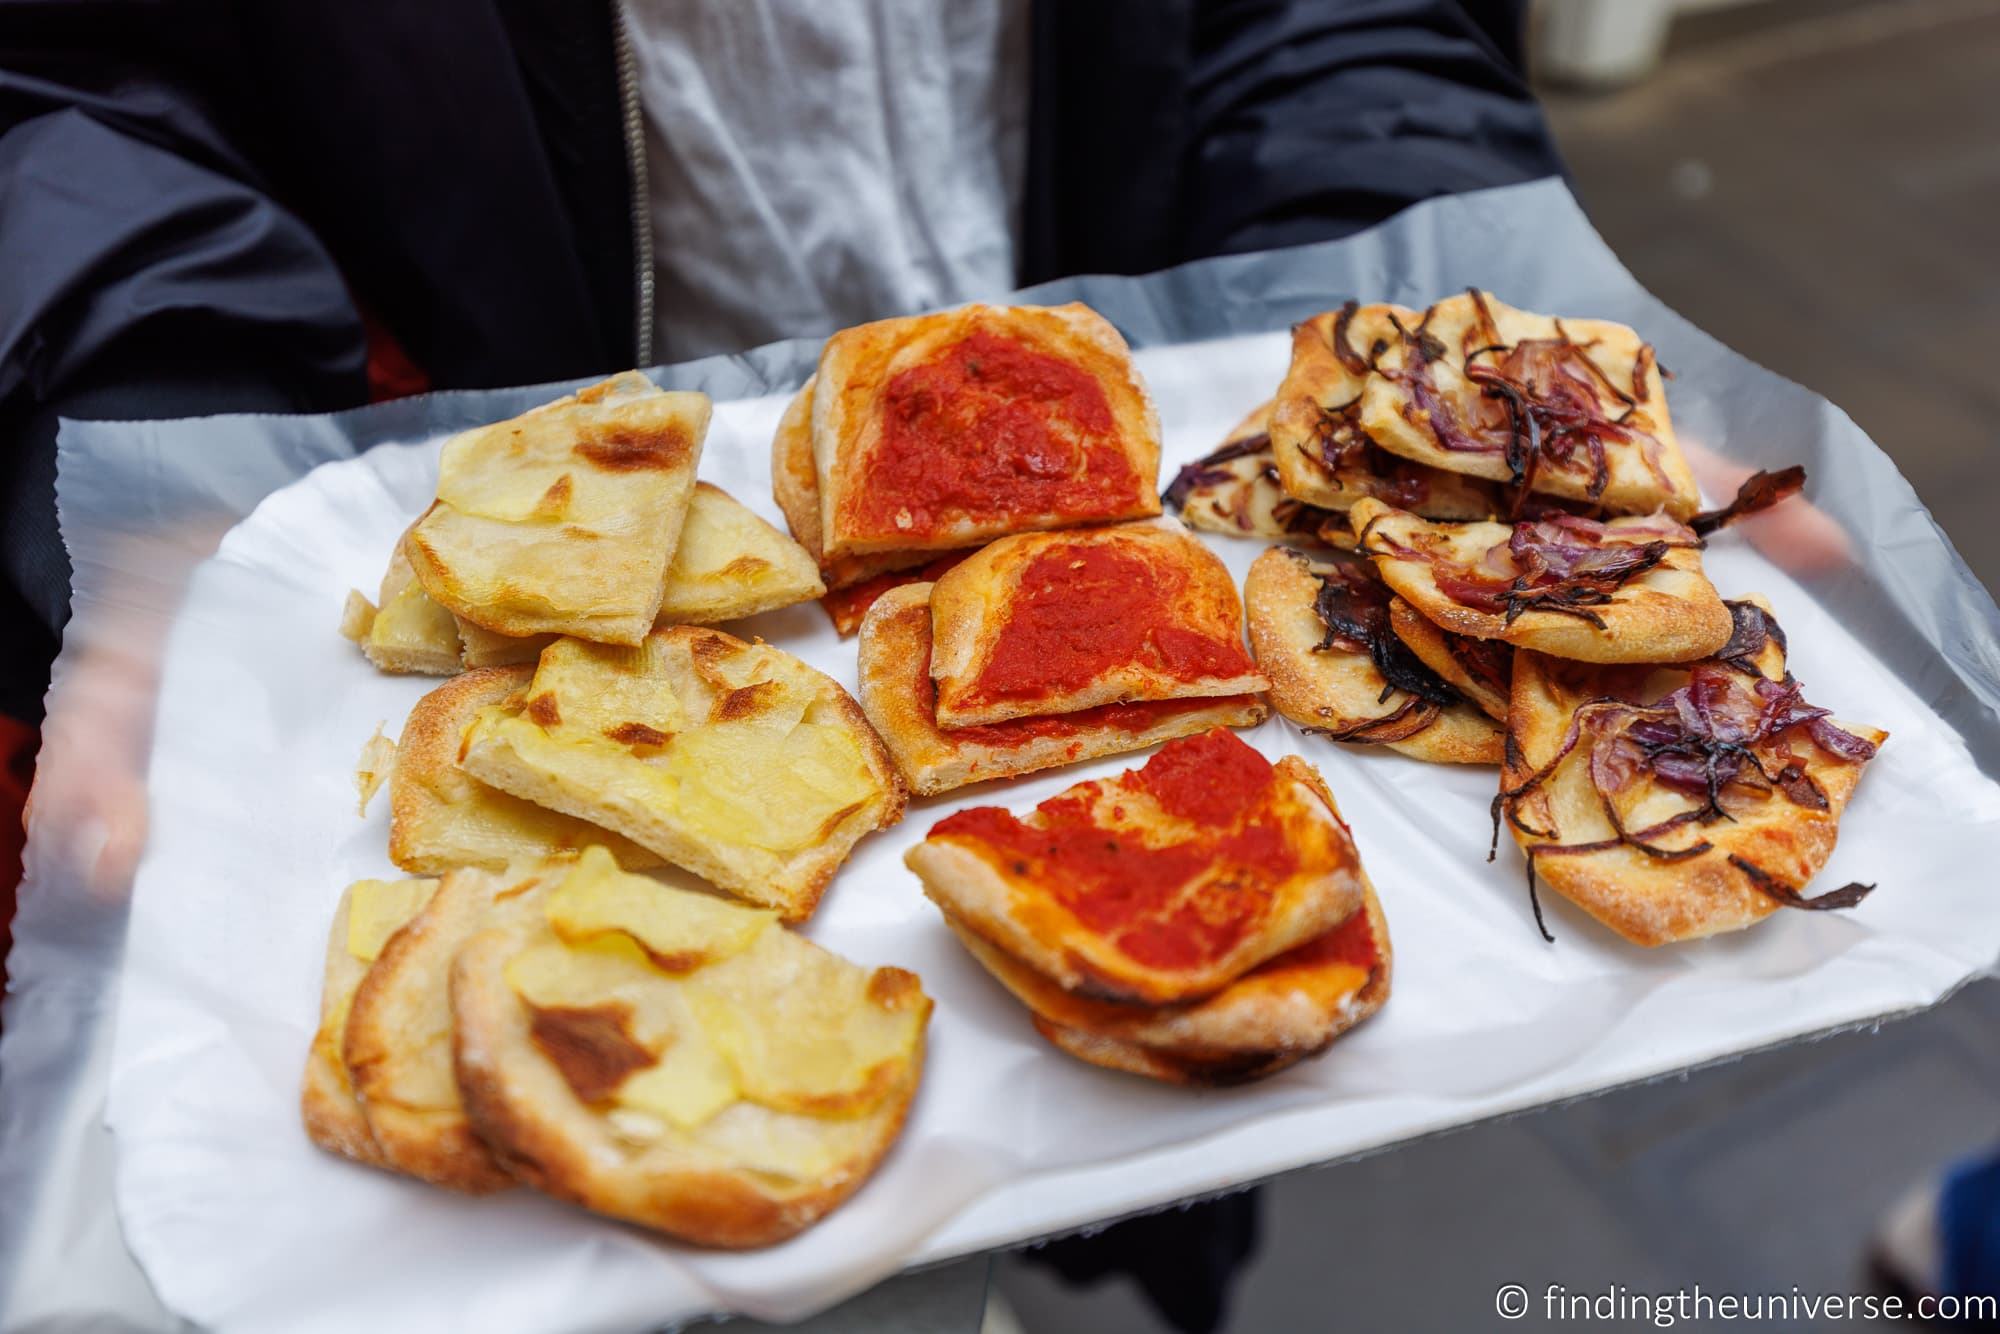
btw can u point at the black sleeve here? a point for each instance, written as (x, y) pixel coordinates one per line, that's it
(1166, 130)
(145, 270)
(1313, 120)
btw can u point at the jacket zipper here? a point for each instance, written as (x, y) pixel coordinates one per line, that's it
(633, 115)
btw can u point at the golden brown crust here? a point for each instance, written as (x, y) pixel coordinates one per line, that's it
(1338, 691)
(1392, 419)
(589, 557)
(1281, 1008)
(1670, 613)
(522, 1107)
(395, 1048)
(332, 1114)
(692, 662)
(1031, 920)
(858, 364)
(1646, 900)
(442, 818)
(1222, 1068)
(1316, 406)
(897, 696)
(1433, 648)
(974, 606)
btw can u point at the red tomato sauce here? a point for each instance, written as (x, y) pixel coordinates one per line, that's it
(1136, 895)
(1352, 942)
(1134, 717)
(1087, 608)
(990, 429)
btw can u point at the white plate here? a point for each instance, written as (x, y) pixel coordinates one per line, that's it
(241, 1224)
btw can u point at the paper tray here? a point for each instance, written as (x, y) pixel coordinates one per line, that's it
(240, 1224)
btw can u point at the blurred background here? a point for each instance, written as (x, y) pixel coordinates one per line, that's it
(1817, 184)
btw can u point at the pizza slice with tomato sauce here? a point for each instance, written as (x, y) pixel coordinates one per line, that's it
(1054, 623)
(900, 700)
(1162, 885)
(947, 430)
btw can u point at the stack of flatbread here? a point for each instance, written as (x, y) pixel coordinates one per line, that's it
(919, 438)
(1044, 649)
(1521, 584)
(1201, 920)
(582, 517)
(648, 1052)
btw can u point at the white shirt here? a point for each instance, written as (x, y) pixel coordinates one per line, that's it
(818, 163)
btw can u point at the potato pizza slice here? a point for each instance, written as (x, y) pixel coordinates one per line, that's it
(734, 760)
(1050, 623)
(900, 700)
(563, 520)
(1161, 885)
(1322, 455)
(666, 1057)
(728, 564)
(441, 817)
(408, 631)
(1319, 626)
(370, 912)
(397, 1043)
(1628, 589)
(947, 430)
(1673, 802)
(1571, 408)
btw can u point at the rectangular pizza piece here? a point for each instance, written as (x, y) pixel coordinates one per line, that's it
(734, 760)
(900, 700)
(1051, 623)
(951, 429)
(1163, 884)
(1568, 407)
(564, 519)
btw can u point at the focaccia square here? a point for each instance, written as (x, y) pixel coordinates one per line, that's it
(1629, 589)
(1051, 623)
(662, 1056)
(1161, 885)
(1676, 802)
(1322, 455)
(441, 817)
(1320, 629)
(900, 700)
(1285, 1009)
(370, 912)
(950, 429)
(734, 760)
(1234, 489)
(563, 520)
(1567, 407)
(728, 564)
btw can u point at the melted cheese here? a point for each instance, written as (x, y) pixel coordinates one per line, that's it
(378, 909)
(747, 1013)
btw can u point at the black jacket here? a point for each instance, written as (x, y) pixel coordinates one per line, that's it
(200, 199)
